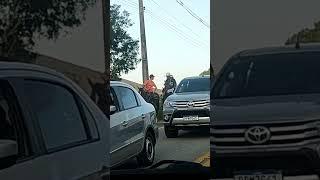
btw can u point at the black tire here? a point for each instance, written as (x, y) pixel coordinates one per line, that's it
(171, 132)
(146, 157)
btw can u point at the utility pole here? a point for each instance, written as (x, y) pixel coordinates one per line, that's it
(145, 71)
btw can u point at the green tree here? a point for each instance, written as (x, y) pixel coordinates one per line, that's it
(124, 49)
(22, 21)
(306, 35)
(207, 72)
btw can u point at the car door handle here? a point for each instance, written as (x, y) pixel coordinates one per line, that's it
(143, 116)
(124, 123)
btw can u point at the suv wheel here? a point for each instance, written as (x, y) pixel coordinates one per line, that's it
(146, 157)
(171, 132)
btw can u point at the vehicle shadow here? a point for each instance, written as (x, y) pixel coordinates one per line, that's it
(129, 164)
(195, 133)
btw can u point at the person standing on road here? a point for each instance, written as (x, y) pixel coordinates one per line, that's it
(149, 85)
(169, 86)
(150, 89)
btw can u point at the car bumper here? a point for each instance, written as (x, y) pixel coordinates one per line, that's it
(203, 121)
(175, 117)
(304, 159)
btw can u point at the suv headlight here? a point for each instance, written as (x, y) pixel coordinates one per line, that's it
(168, 104)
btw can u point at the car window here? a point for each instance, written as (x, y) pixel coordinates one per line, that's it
(138, 99)
(194, 85)
(126, 97)
(275, 74)
(57, 112)
(113, 99)
(91, 121)
(12, 125)
(6, 123)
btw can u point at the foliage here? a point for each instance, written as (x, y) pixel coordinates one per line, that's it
(124, 49)
(22, 21)
(307, 35)
(207, 72)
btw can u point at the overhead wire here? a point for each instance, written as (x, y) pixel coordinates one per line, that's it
(177, 20)
(167, 24)
(193, 14)
(175, 30)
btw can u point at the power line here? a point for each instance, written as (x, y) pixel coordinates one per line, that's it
(164, 22)
(183, 37)
(193, 14)
(176, 29)
(167, 12)
(131, 3)
(132, 6)
(179, 32)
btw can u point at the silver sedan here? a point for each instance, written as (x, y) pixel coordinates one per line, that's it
(134, 132)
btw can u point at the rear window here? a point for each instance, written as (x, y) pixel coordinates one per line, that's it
(194, 85)
(273, 74)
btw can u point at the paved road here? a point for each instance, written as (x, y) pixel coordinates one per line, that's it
(187, 147)
(311, 177)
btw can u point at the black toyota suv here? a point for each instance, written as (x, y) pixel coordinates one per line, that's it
(267, 113)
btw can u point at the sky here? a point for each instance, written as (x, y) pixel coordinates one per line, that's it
(247, 24)
(185, 54)
(176, 41)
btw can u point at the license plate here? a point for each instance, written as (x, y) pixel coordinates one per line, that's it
(258, 176)
(191, 118)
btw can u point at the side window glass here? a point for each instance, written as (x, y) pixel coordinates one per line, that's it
(7, 130)
(57, 112)
(127, 97)
(12, 126)
(138, 99)
(113, 99)
(91, 122)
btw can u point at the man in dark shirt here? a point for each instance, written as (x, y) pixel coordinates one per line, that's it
(169, 85)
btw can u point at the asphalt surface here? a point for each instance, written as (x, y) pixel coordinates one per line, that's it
(188, 146)
(311, 177)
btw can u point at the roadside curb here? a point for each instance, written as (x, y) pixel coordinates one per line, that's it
(204, 159)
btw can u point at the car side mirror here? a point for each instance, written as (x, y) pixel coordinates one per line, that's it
(113, 109)
(8, 153)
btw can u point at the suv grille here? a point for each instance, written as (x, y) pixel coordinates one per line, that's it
(184, 104)
(281, 133)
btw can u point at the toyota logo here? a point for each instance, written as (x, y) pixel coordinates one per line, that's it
(257, 135)
(190, 104)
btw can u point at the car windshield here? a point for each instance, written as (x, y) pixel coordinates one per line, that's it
(273, 74)
(194, 85)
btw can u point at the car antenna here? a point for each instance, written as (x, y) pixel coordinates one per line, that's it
(298, 40)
